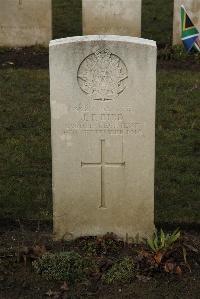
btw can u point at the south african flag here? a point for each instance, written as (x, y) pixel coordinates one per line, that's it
(189, 34)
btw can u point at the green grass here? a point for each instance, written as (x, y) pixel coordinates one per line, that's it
(25, 150)
(157, 20)
(178, 147)
(67, 18)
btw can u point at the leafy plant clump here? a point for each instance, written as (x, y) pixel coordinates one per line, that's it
(68, 266)
(121, 272)
(161, 241)
(164, 252)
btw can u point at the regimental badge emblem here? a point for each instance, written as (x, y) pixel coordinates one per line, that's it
(102, 75)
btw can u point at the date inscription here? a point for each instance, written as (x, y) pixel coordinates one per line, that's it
(104, 124)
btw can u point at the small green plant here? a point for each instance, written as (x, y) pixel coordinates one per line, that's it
(161, 241)
(121, 272)
(89, 247)
(68, 266)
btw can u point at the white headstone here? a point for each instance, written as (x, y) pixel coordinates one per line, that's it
(193, 9)
(103, 91)
(120, 17)
(25, 22)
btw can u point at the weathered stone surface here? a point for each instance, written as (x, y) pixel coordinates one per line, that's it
(120, 17)
(25, 22)
(103, 91)
(193, 9)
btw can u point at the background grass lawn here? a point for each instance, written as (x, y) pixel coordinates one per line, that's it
(157, 19)
(25, 149)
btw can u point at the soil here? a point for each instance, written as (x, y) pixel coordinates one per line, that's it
(38, 58)
(178, 65)
(18, 280)
(30, 58)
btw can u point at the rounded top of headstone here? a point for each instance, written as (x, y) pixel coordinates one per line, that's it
(110, 38)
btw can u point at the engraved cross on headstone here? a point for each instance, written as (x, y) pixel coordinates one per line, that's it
(102, 165)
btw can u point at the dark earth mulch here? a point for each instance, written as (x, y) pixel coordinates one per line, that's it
(38, 58)
(18, 280)
(178, 65)
(30, 58)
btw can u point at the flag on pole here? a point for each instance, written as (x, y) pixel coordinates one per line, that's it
(189, 34)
